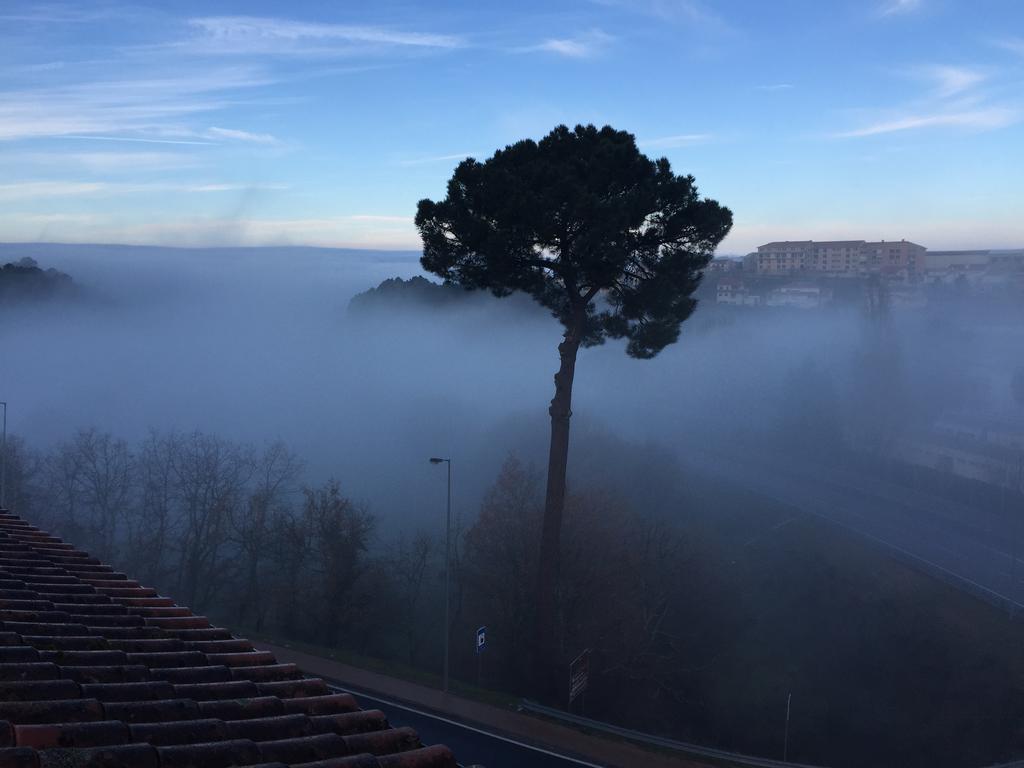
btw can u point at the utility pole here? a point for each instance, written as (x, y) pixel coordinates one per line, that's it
(3, 461)
(1012, 591)
(447, 568)
(1015, 515)
(785, 737)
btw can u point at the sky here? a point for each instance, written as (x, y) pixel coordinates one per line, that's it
(323, 123)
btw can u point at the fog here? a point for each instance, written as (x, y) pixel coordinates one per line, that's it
(804, 497)
(257, 344)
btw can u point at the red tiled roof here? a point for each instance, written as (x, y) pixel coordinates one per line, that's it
(97, 670)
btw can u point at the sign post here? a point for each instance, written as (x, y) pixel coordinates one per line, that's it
(579, 675)
(481, 643)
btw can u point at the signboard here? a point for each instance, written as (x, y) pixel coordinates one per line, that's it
(481, 639)
(579, 673)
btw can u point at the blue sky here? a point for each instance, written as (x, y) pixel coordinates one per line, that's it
(323, 123)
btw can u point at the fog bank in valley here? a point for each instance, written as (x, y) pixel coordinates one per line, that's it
(257, 344)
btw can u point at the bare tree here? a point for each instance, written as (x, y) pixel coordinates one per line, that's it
(104, 480)
(275, 474)
(62, 469)
(408, 565)
(210, 476)
(291, 574)
(151, 527)
(340, 534)
(24, 475)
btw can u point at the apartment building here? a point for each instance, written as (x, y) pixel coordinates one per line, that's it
(840, 257)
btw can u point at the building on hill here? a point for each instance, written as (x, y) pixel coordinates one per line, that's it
(737, 293)
(725, 264)
(800, 296)
(841, 257)
(957, 261)
(1010, 260)
(97, 670)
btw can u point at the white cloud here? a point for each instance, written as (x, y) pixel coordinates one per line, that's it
(951, 81)
(900, 7)
(231, 133)
(980, 119)
(36, 189)
(775, 87)
(582, 46)
(954, 101)
(689, 12)
(381, 218)
(103, 162)
(437, 158)
(1012, 44)
(679, 140)
(339, 231)
(260, 35)
(25, 190)
(141, 109)
(136, 139)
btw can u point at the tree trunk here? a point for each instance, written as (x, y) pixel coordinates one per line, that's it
(546, 662)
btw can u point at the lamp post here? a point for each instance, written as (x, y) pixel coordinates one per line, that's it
(785, 738)
(3, 461)
(447, 566)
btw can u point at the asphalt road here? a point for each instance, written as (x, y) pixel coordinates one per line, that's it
(472, 746)
(979, 550)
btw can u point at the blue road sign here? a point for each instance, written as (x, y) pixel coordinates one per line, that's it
(481, 639)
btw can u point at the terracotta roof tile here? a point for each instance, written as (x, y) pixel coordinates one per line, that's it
(209, 674)
(347, 723)
(96, 669)
(271, 728)
(180, 732)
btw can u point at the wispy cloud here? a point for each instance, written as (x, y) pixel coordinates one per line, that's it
(669, 10)
(437, 158)
(672, 142)
(582, 46)
(951, 81)
(955, 100)
(338, 231)
(1012, 44)
(237, 135)
(373, 217)
(36, 189)
(775, 87)
(55, 13)
(24, 190)
(144, 109)
(979, 119)
(284, 37)
(102, 162)
(900, 7)
(137, 140)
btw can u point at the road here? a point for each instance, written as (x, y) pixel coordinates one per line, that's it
(473, 746)
(976, 549)
(478, 733)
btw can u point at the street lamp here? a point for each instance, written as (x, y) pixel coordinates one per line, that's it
(447, 565)
(785, 738)
(3, 461)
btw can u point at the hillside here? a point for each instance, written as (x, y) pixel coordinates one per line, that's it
(886, 665)
(25, 280)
